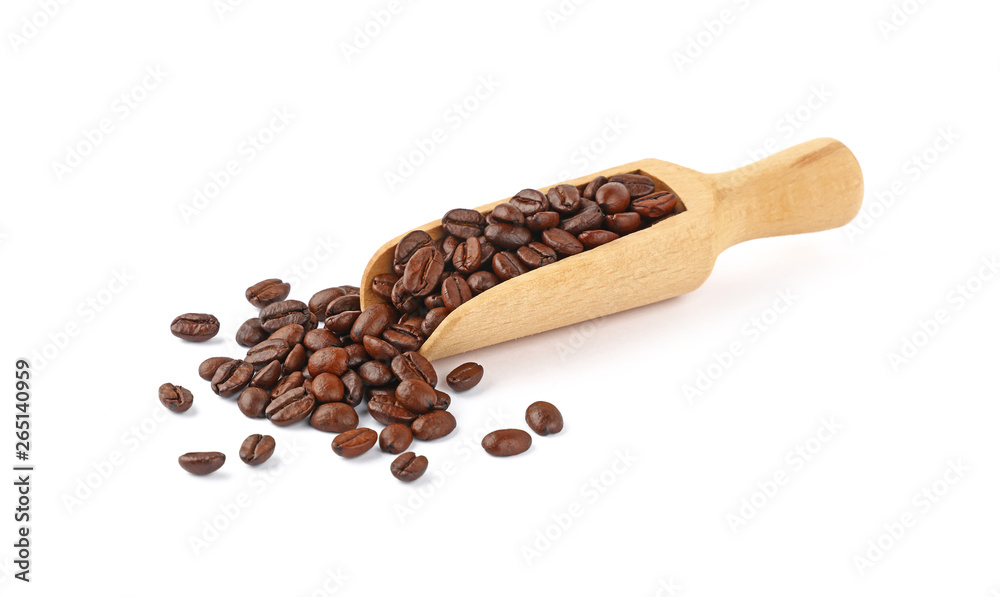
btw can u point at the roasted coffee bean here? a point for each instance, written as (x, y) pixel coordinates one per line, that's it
(455, 291)
(505, 213)
(423, 272)
(403, 338)
(562, 242)
(535, 255)
(564, 199)
(590, 191)
(312, 324)
(464, 223)
(506, 266)
(507, 442)
(291, 407)
(447, 246)
(319, 301)
(613, 198)
(195, 327)
(468, 256)
(354, 443)
(442, 402)
(267, 377)
(296, 360)
(382, 285)
(379, 349)
(544, 418)
(590, 217)
(256, 449)
(335, 417)
(465, 377)
(354, 388)
(433, 301)
(412, 321)
(487, 249)
(433, 320)
(395, 438)
(175, 398)
(308, 386)
(480, 282)
(329, 360)
(591, 239)
(268, 291)
(288, 383)
(327, 387)
(277, 315)
(348, 302)
(623, 223)
(656, 205)
(542, 220)
(253, 402)
(637, 184)
(210, 365)
(416, 395)
(433, 425)
(202, 463)
(403, 300)
(356, 355)
(408, 467)
(375, 373)
(530, 201)
(413, 365)
(250, 333)
(507, 236)
(320, 339)
(292, 333)
(350, 289)
(384, 408)
(341, 323)
(231, 377)
(373, 321)
(410, 244)
(267, 351)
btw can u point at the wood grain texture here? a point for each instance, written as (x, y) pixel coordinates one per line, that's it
(810, 187)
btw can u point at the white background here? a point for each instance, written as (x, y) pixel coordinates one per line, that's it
(111, 510)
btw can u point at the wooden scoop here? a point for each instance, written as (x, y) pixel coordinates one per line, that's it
(810, 187)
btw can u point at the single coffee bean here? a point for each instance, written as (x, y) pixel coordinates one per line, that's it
(505, 213)
(413, 365)
(433, 425)
(329, 360)
(292, 333)
(342, 323)
(410, 244)
(278, 315)
(447, 246)
(267, 377)
(291, 407)
(335, 417)
(403, 338)
(408, 467)
(468, 256)
(530, 201)
(506, 442)
(412, 321)
(544, 418)
(250, 333)
(267, 351)
(202, 463)
(465, 377)
(356, 355)
(564, 199)
(268, 291)
(464, 223)
(637, 184)
(535, 255)
(623, 223)
(327, 387)
(354, 387)
(416, 395)
(590, 217)
(348, 302)
(442, 402)
(423, 272)
(542, 220)
(506, 266)
(195, 327)
(379, 349)
(319, 301)
(384, 408)
(373, 321)
(175, 398)
(613, 198)
(507, 236)
(590, 191)
(480, 282)
(210, 365)
(288, 383)
(562, 242)
(433, 301)
(231, 377)
(296, 360)
(256, 449)
(375, 373)
(354, 443)
(487, 249)
(320, 339)
(455, 291)
(253, 402)
(655, 205)
(395, 438)
(382, 285)
(591, 239)
(433, 320)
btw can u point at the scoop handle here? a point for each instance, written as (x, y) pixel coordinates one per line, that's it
(814, 186)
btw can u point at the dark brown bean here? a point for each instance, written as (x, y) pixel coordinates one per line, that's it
(433, 320)
(379, 349)
(455, 291)
(354, 388)
(319, 301)
(530, 201)
(465, 377)
(296, 360)
(195, 327)
(288, 383)
(375, 373)
(320, 339)
(480, 282)
(291, 407)
(590, 191)
(210, 365)
(356, 355)
(507, 236)
(202, 463)
(562, 242)
(623, 223)
(487, 249)
(542, 220)
(293, 333)
(253, 402)
(231, 377)
(591, 239)
(535, 255)
(637, 184)
(268, 291)
(443, 401)
(423, 272)
(343, 304)
(354, 443)
(433, 301)
(408, 467)
(544, 418)
(175, 398)
(373, 321)
(328, 360)
(507, 442)
(335, 417)
(447, 246)
(384, 408)
(403, 338)
(468, 256)
(506, 265)
(413, 365)
(505, 213)
(327, 387)
(395, 438)
(256, 449)
(613, 198)
(342, 323)
(382, 285)
(416, 395)
(564, 199)
(267, 351)
(433, 425)
(277, 315)
(250, 333)
(464, 223)
(590, 217)
(267, 377)
(655, 205)
(408, 245)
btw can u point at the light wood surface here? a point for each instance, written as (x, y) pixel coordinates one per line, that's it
(810, 187)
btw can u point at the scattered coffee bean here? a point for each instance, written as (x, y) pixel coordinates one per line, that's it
(328, 360)
(354, 443)
(175, 398)
(410, 244)
(464, 223)
(564, 199)
(250, 333)
(433, 425)
(266, 292)
(320, 300)
(413, 365)
(291, 407)
(423, 272)
(267, 351)
(395, 438)
(327, 387)
(288, 382)
(384, 408)
(656, 205)
(335, 417)
(292, 333)
(408, 467)
(210, 365)
(544, 418)
(455, 291)
(267, 377)
(253, 402)
(637, 184)
(195, 327)
(506, 442)
(613, 198)
(202, 463)
(278, 315)
(530, 202)
(416, 395)
(231, 377)
(465, 377)
(256, 449)
(443, 400)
